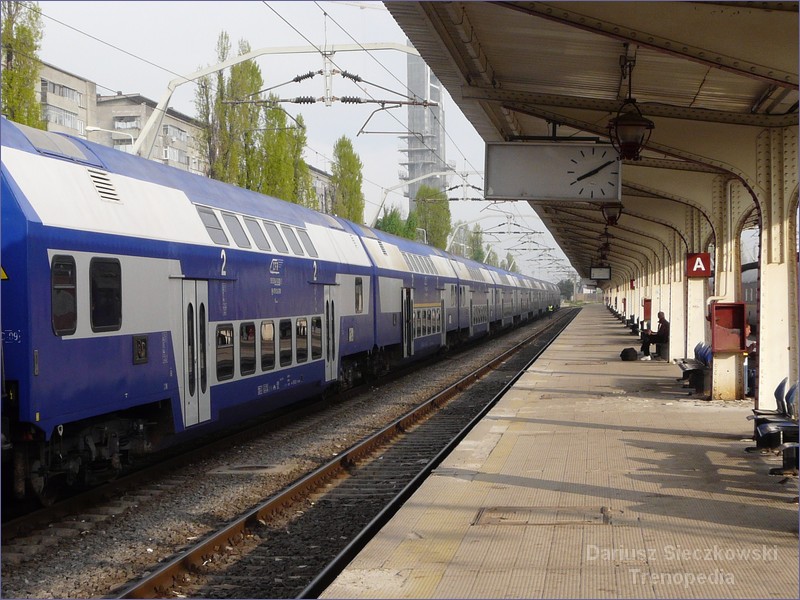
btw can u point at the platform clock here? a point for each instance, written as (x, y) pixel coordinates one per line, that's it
(560, 170)
(593, 173)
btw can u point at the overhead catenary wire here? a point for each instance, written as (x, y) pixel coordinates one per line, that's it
(316, 47)
(392, 74)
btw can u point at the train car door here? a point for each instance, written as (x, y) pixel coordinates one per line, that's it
(331, 335)
(408, 322)
(442, 324)
(196, 405)
(471, 318)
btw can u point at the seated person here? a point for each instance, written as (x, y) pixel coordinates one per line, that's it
(752, 360)
(659, 337)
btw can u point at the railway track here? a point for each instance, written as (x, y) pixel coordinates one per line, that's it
(294, 543)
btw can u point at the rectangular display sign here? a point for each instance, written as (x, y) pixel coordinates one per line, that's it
(600, 273)
(562, 170)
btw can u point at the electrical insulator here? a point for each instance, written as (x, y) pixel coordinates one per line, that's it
(308, 75)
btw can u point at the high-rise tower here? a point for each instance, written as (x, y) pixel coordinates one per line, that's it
(425, 147)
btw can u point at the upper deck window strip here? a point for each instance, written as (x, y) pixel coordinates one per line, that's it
(299, 239)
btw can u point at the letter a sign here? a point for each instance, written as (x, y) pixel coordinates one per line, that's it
(698, 265)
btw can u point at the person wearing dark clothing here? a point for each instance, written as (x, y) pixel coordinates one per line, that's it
(659, 337)
(752, 361)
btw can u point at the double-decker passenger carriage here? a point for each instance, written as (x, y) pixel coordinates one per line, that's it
(142, 305)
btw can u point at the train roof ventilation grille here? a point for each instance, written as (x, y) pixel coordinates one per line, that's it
(383, 248)
(103, 185)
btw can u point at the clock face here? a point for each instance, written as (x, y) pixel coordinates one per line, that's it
(594, 173)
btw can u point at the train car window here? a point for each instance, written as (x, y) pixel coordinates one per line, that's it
(257, 234)
(423, 268)
(359, 295)
(267, 345)
(201, 350)
(316, 338)
(105, 279)
(247, 348)
(224, 352)
(307, 243)
(63, 295)
(236, 229)
(301, 336)
(190, 349)
(285, 341)
(292, 239)
(408, 262)
(214, 229)
(275, 236)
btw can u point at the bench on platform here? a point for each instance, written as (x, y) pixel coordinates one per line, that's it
(780, 413)
(779, 434)
(774, 430)
(696, 372)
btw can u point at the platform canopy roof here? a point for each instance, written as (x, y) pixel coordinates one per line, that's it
(522, 71)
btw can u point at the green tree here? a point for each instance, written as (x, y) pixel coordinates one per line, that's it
(567, 288)
(412, 223)
(392, 222)
(475, 244)
(212, 112)
(304, 192)
(278, 163)
(433, 213)
(21, 39)
(511, 263)
(246, 139)
(346, 179)
(461, 234)
(491, 257)
(244, 83)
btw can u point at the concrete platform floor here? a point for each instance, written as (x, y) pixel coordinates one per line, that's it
(592, 478)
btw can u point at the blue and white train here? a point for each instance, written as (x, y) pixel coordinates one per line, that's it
(141, 304)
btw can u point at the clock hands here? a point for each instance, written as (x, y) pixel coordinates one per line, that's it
(594, 171)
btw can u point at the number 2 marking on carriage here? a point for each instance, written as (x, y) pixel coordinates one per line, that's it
(315, 270)
(224, 257)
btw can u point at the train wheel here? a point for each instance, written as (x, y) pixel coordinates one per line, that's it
(44, 487)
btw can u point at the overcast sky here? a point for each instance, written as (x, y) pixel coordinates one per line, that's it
(138, 47)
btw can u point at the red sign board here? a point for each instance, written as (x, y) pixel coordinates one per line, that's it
(698, 264)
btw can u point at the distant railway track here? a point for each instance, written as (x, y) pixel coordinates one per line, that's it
(296, 541)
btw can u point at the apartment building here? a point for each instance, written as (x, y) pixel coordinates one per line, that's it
(121, 118)
(70, 104)
(68, 101)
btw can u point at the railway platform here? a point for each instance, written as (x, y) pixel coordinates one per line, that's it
(592, 478)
